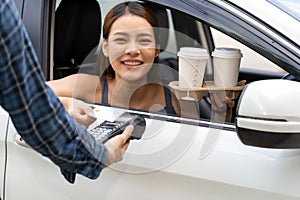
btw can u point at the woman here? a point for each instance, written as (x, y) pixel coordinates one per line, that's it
(131, 44)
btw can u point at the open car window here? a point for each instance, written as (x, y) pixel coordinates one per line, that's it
(177, 30)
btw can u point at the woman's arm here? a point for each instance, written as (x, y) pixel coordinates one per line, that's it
(72, 88)
(79, 86)
(63, 87)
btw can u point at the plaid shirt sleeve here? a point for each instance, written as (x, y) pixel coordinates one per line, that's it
(35, 110)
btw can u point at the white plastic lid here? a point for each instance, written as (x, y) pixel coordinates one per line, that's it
(226, 52)
(193, 52)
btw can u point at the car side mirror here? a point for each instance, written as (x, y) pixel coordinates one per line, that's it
(268, 114)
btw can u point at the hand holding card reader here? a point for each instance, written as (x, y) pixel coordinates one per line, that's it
(108, 129)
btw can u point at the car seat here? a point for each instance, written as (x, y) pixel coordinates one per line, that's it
(77, 32)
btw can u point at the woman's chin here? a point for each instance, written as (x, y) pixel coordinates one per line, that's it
(134, 77)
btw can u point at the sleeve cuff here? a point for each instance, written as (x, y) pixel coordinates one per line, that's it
(69, 176)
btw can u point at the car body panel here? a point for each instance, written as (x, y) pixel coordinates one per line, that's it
(3, 130)
(151, 171)
(4, 120)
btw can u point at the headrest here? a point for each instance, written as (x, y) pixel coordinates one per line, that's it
(77, 31)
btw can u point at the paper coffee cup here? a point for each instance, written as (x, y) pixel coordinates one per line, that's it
(226, 62)
(192, 64)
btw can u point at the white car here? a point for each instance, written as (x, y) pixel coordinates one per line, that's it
(256, 156)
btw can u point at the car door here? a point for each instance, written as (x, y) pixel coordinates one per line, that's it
(177, 158)
(172, 161)
(3, 131)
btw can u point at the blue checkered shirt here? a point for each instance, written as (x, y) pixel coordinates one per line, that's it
(36, 112)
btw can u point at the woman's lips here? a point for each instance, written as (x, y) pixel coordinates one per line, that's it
(132, 64)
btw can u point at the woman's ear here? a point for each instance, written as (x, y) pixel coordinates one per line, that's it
(157, 50)
(105, 47)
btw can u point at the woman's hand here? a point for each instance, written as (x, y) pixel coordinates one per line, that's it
(222, 105)
(79, 110)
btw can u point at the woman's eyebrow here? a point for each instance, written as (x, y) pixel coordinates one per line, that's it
(127, 34)
(145, 35)
(121, 33)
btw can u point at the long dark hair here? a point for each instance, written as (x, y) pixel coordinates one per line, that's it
(136, 8)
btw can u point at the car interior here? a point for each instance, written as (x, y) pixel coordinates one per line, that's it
(70, 50)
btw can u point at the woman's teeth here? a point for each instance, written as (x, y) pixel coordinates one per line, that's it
(132, 63)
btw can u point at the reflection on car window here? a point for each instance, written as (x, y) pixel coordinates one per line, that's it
(57, 3)
(291, 7)
(251, 59)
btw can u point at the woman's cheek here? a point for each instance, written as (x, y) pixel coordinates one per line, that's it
(115, 52)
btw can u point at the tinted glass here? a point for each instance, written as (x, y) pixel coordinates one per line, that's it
(291, 7)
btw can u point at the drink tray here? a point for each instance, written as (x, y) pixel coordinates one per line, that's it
(196, 93)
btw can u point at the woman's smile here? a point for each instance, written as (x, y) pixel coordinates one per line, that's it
(131, 64)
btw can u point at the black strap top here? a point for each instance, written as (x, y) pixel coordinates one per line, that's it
(169, 109)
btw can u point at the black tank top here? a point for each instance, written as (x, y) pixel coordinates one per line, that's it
(169, 109)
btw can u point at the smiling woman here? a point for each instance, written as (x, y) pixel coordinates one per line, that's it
(129, 79)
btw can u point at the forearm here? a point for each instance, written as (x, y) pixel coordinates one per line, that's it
(61, 87)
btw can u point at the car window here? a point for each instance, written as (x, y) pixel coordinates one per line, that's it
(180, 30)
(251, 59)
(291, 7)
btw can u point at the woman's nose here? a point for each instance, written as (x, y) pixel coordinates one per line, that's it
(132, 48)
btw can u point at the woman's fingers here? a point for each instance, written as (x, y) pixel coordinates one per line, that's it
(79, 110)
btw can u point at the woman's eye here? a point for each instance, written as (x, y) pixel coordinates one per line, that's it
(145, 41)
(120, 40)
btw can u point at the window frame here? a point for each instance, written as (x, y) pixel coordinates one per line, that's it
(212, 15)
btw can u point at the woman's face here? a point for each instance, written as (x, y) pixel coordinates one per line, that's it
(131, 47)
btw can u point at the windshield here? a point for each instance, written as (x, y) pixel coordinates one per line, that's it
(291, 7)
